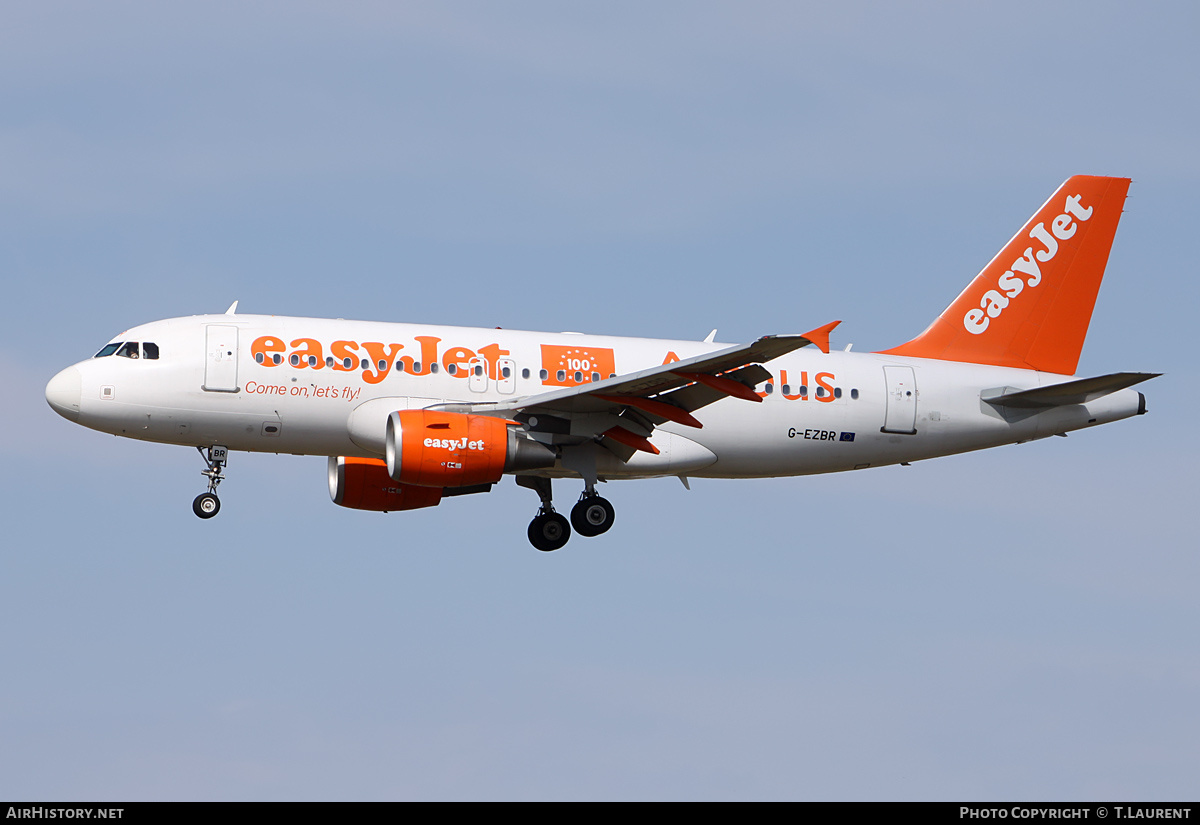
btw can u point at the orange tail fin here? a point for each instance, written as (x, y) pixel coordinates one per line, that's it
(1030, 307)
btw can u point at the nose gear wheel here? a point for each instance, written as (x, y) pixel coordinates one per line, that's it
(206, 505)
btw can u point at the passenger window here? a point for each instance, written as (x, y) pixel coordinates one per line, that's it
(452, 369)
(109, 349)
(524, 373)
(478, 370)
(837, 392)
(770, 388)
(787, 389)
(149, 351)
(505, 372)
(543, 375)
(128, 350)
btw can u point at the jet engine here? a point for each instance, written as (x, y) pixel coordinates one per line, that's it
(446, 449)
(364, 484)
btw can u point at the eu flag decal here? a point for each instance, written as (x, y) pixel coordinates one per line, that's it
(847, 437)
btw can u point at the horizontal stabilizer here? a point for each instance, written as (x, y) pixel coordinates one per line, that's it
(1072, 392)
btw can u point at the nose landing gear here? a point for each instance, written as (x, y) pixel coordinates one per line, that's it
(207, 505)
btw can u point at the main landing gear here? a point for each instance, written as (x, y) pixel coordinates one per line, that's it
(548, 530)
(207, 505)
(591, 516)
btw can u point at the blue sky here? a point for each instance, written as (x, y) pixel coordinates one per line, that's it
(1015, 623)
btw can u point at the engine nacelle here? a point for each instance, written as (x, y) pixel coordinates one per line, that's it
(447, 449)
(364, 484)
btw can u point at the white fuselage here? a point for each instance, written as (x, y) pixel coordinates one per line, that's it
(216, 382)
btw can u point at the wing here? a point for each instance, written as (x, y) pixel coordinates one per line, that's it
(623, 411)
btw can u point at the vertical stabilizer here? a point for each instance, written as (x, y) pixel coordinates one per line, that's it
(1031, 306)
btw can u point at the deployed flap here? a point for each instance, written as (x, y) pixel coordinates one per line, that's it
(1072, 392)
(695, 396)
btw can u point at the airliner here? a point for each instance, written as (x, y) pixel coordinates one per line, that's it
(410, 414)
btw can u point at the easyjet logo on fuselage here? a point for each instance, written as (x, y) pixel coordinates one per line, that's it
(374, 359)
(561, 366)
(994, 301)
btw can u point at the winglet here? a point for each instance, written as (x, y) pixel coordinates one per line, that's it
(232, 309)
(820, 336)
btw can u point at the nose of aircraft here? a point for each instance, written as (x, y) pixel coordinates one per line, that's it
(62, 393)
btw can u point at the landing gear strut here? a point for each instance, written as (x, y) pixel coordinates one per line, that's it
(207, 505)
(548, 530)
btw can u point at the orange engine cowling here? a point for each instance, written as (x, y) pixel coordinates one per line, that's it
(364, 484)
(448, 449)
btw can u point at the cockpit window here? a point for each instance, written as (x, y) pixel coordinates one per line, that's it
(129, 350)
(109, 349)
(149, 351)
